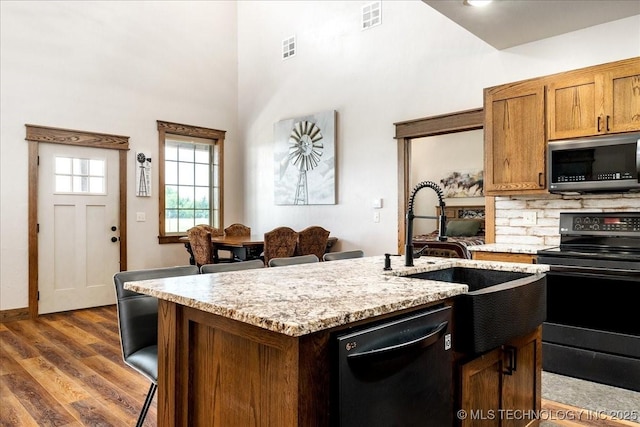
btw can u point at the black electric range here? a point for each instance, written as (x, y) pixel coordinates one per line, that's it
(592, 329)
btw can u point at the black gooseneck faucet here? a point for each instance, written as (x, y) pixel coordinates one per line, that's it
(408, 247)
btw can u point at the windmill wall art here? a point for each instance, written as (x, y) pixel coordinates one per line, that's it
(304, 155)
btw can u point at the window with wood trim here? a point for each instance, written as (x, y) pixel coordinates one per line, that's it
(190, 174)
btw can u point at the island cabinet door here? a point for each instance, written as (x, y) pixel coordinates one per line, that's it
(502, 388)
(481, 391)
(521, 383)
(217, 372)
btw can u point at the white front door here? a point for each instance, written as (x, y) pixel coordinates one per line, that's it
(78, 247)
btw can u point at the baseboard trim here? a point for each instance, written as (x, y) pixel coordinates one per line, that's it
(14, 314)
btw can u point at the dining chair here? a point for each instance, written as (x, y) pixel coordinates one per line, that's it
(280, 242)
(237, 229)
(313, 240)
(293, 260)
(334, 256)
(236, 266)
(138, 324)
(201, 247)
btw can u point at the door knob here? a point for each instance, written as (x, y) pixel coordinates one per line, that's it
(113, 228)
(114, 239)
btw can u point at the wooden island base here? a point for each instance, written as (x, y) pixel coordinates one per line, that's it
(214, 371)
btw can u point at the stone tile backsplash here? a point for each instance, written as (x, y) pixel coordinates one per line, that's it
(511, 229)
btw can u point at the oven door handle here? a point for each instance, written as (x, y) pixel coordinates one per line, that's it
(594, 271)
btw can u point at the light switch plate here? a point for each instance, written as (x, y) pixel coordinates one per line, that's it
(141, 216)
(376, 216)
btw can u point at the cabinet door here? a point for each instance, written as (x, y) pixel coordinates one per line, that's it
(521, 382)
(514, 140)
(481, 384)
(622, 99)
(574, 106)
(595, 101)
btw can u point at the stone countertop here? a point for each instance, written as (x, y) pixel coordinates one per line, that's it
(301, 299)
(508, 248)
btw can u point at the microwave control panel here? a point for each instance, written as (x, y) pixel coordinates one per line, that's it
(609, 176)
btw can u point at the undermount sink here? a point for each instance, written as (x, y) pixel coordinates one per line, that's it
(500, 305)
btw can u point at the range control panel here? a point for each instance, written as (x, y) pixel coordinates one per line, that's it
(617, 222)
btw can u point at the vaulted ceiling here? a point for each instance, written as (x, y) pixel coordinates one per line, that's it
(507, 23)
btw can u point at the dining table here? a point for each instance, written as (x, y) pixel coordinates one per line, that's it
(253, 244)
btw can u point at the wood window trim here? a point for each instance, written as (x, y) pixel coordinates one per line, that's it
(34, 136)
(460, 121)
(165, 128)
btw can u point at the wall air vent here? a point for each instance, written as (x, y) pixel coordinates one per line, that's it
(289, 47)
(371, 15)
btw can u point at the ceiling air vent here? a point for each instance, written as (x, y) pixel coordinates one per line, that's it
(371, 15)
(289, 47)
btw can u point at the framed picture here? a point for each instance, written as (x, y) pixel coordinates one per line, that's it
(463, 184)
(143, 175)
(304, 160)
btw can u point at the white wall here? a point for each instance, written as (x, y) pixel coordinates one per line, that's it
(111, 67)
(416, 64)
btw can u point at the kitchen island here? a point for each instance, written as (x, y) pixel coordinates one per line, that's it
(253, 347)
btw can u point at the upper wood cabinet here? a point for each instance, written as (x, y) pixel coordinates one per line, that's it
(520, 117)
(514, 139)
(595, 100)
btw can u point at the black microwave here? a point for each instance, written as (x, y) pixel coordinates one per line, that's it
(597, 164)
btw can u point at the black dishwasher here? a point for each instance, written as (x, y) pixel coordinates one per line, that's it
(396, 373)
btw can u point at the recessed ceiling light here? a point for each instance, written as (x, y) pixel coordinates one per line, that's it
(477, 3)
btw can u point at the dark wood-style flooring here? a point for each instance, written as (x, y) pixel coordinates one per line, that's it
(66, 369)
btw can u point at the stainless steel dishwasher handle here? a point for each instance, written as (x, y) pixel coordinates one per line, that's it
(422, 342)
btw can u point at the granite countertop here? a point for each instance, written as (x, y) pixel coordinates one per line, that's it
(508, 248)
(301, 299)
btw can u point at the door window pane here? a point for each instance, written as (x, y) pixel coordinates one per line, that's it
(96, 185)
(63, 166)
(76, 175)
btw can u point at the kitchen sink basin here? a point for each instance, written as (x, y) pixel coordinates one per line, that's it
(500, 305)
